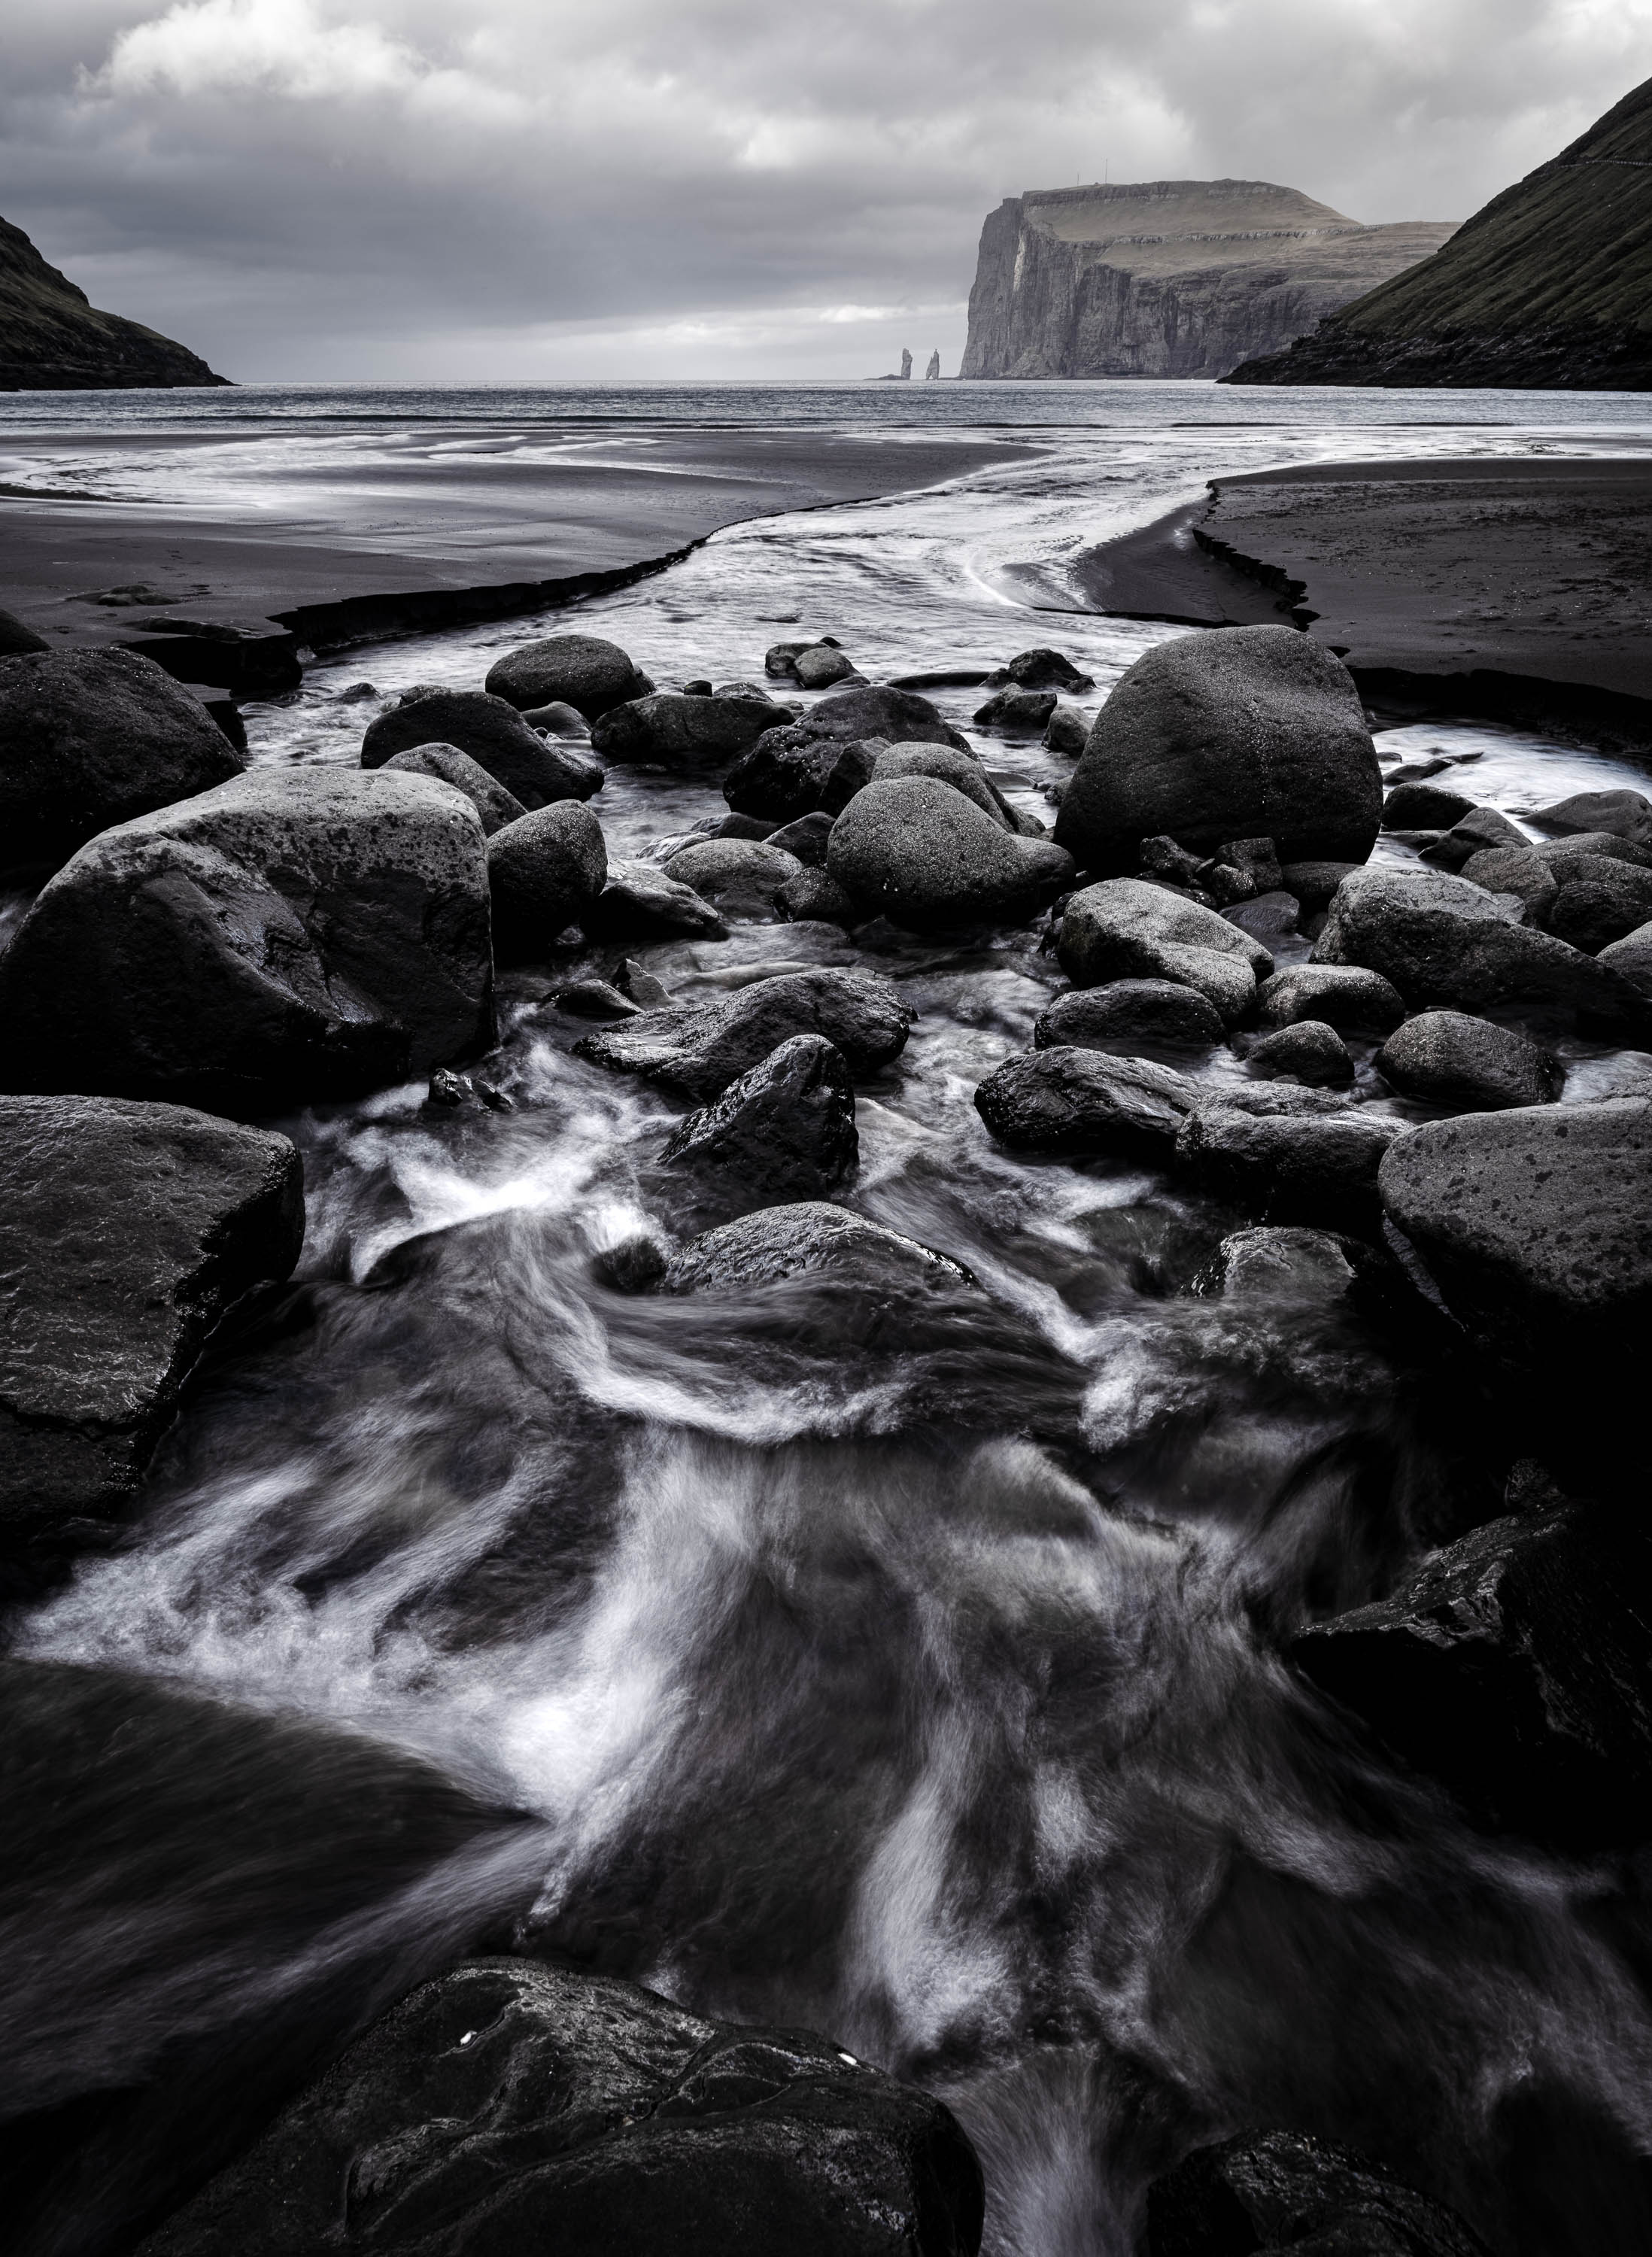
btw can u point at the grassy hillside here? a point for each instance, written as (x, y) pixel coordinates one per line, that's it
(53, 340)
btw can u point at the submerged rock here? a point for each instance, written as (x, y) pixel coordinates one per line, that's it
(916, 851)
(1285, 2190)
(783, 1132)
(447, 764)
(545, 871)
(742, 877)
(1084, 1100)
(1256, 731)
(810, 1240)
(509, 2106)
(672, 730)
(1129, 927)
(1483, 830)
(1043, 668)
(820, 665)
(294, 935)
(1268, 1263)
(92, 738)
(495, 736)
(125, 1232)
(1026, 710)
(638, 901)
(1126, 1012)
(580, 671)
(1290, 1167)
(702, 1047)
(1344, 996)
(1472, 1065)
(1067, 731)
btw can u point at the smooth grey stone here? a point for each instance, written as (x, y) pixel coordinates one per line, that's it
(1344, 996)
(740, 876)
(962, 770)
(1127, 1011)
(1306, 1050)
(1128, 928)
(671, 730)
(584, 671)
(1472, 1065)
(914, 850)
(447, 764)
(810, 1240)
(544, 872)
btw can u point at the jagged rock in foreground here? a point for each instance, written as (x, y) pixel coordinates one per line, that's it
(702, 1047)
(125, 1232)
(508, 2107)
(1168, 278)
(90, 737)
(1550, 285)
(52, 339)
(1255, 733)
(294, 935)
(1286, 2190)
(781, 1133)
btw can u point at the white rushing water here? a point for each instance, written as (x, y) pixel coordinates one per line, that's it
(923, 1690)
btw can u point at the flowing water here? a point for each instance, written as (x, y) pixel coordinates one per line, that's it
(915, 1678)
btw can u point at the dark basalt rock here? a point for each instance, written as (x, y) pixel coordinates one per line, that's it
(1560, 855)
(1631, 959)
(1599, 901)
(1344, 996)
(1084, 1100)
(580, 671)
(806, 838)
(1516, 1667)
(1286, 2190)
(1424, 807)
(494, 734)
(916, 851)
(92, 738)
(595, 998)
(1307, 1051)
(1271, 916)
(509, 2106)
(962, 770)
(15, 638)
(544, 870)
(1314, 883)
(1043, 668)
(893, 717)
(1268, 1263)
(1256, 731)
(640, 903)
(293, 934)
(1026, 710)
(790, 774)
(1623, 814)
(125, 1232)
(1067, 731)
(741, 826)
(811, 1240)
(1515, 870)
(820, 665)
(1470, 1066)
(1482, 829)
(1129, 927)
(781, 1133)
(1126, 1013)
(447, 764)
(1291, 1167)
(702, 1047)
(671, 730)
(815, 897)
(741, 877)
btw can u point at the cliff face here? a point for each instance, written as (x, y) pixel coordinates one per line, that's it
(1551, 285)
(53, 340)
(1166, 278)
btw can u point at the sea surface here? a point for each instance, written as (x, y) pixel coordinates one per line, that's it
(922, 1687)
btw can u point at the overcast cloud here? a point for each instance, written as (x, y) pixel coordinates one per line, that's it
(412, 190)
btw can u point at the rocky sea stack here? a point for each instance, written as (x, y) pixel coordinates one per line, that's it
(52, 339)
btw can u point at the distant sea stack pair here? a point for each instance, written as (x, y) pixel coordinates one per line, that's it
(52, 339)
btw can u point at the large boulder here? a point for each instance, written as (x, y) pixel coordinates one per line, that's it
(92, 738)
(125, 1232)
(1084, 1101)
(294, 935)
(1470, 1066)
(1254, 733)
(702, 1047)
(788, 773)
(741, 877)
(810, 1240)
(783, 1132)
(640, 903)
(447, 764)
(1515, 1667)
(1320, 1168)
(672, 730)
(580, 671)
(509, 2106)
(1537, 1226)
(544, 870)
(495, 735)
(1441, 939)
(1285, 2190)
(916, 851)
(1126, 1014)
(1128, 928)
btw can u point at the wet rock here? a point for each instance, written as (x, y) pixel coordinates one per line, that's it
(1537, 1226)
(1284, 2190)
(1631, 959)
(525, 2107)
(1126, 1013)
(1424, 807)
(595, 998)
(1307, 1051)
(1022, 710)
(914, 850)
(892, 717)
(635, 1265)
(1067, 731)
(1314, 883)
(1269, 917)
(1599, 901)
(641, 985)
(451, 1092)
(1471, 1066)
(1441, 939)
(1163, 859)
(1290, 1167)
(806, 838)
(125, 1232)
(544, 870)
(741, 826)
(1268, 1263)
(1559, 855)
(820, 665)
(1069, 1099)
(781, 1133)
(815, 897)
(1624, 814)
(495, 736)
(580, 671)
(1257, 858)
(1039, 670)
(810, 1240)
(296, 934)
(702, 1047)
(1515, 870)
(1126, 928)
(790, 774)
(1255, 732)
(1516, 1667)
(962, 770)
(671, 730)
(447, 764)
(1344, 996)
(741, 876)
(558, 719)
(92, 738)
(778, 659)
(640, 903)
(1483, 830)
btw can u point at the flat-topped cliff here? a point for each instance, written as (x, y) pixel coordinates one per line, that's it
(52, 339)
(1168, 278)
(1550, 285)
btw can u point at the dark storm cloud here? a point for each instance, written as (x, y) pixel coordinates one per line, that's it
(384, 188)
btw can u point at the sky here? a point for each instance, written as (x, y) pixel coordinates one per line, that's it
(500, 190)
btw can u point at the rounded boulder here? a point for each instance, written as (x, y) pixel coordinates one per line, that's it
(916, 851)
(583, 671)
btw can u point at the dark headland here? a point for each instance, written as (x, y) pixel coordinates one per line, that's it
(53, 339)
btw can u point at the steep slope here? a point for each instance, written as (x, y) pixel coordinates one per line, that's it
(1166, 278)
(53, 340)
(1550, 285)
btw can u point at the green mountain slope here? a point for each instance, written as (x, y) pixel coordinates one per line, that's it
(53, 340)
(1550, 285)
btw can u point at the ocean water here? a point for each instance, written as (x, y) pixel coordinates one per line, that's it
(922, 1686)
